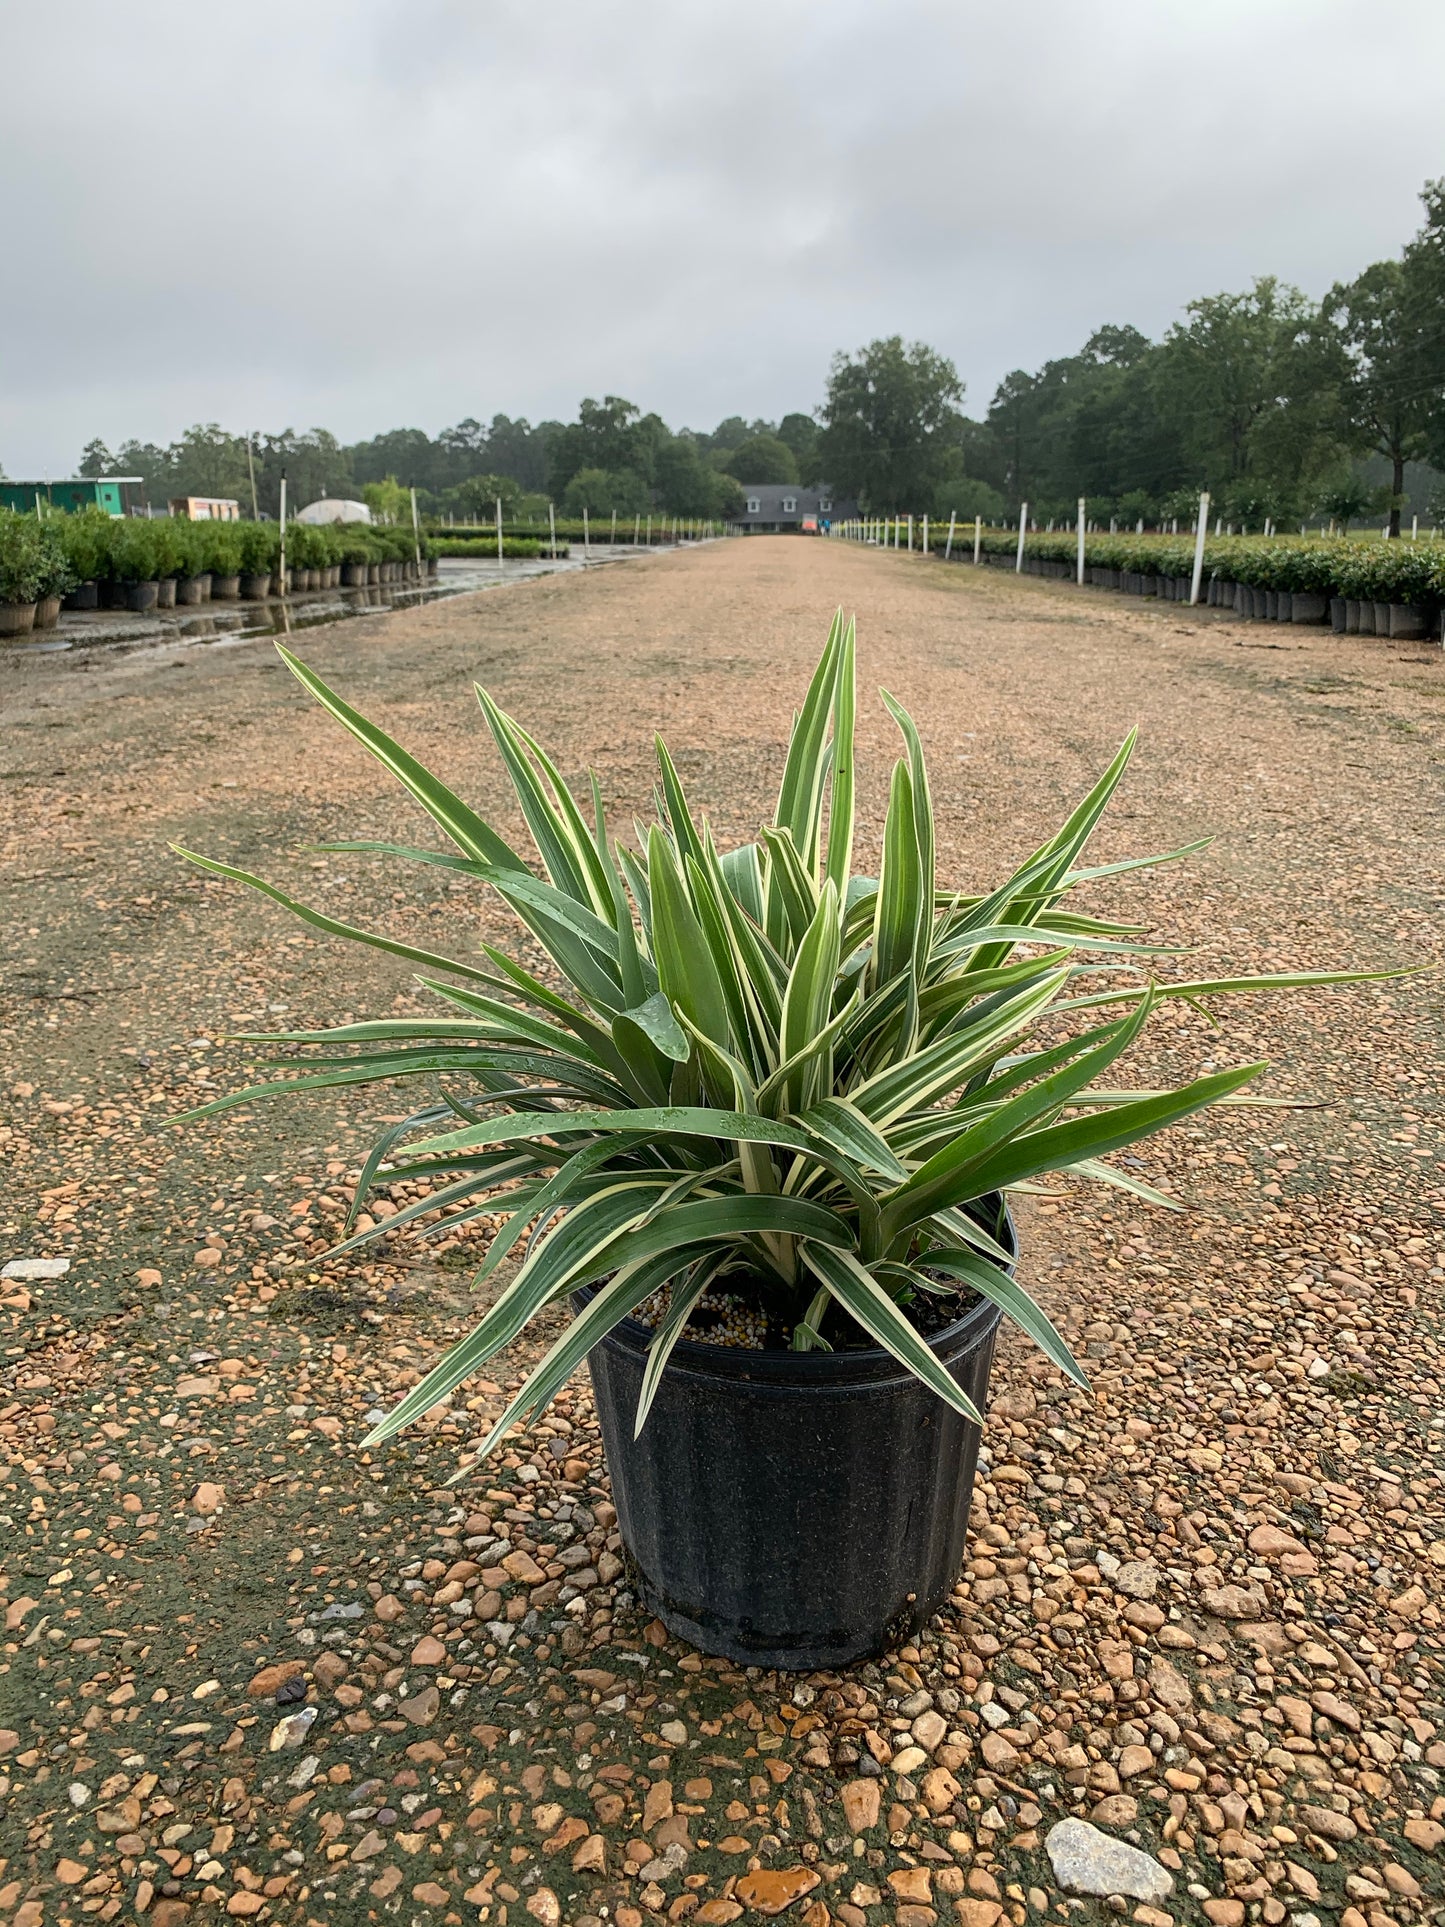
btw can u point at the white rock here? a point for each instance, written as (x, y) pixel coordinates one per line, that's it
(1086, 1861)
(1137, 1579)
(289, 1733)
(29, 1269)
(672, 1860)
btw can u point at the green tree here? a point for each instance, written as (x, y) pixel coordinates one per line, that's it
(761, 458)
(315, 465)
(1347, 497)
(477, 497)
(731, 433)
(96, 460)
(890, 418)
(406, 452)
(800, 433)
(150, 463)
(209, 461)
(686, 483)
(611, 434)
(1248, 384)
(1424, 293)
(387, 500)
(601, 491)
(1384, 404)
(515, 448)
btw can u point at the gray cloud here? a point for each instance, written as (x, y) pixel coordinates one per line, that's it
(370, 214)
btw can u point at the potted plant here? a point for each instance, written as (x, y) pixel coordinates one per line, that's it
(258, 558)
(303, 556)
(762, 1141)
(56, 577)
(86, 536)
(222, 554)
(355, 547)
(22, 572)
(193, 575)
(171, 545)
(136, 562)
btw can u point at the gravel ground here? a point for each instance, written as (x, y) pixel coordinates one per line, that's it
(249, 1668)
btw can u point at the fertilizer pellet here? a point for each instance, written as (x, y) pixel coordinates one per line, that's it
(718, 1318)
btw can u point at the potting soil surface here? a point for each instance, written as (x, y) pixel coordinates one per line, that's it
(251, 1668)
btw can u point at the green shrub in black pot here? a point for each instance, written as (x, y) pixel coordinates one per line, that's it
(24, 564)
(219, 548)
(86, 537)
(259, 550)
(757, 1129)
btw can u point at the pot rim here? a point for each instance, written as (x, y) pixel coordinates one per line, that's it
(824, 1370)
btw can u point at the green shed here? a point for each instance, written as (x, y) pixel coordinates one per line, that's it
(116, 494)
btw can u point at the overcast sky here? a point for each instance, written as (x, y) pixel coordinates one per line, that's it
(367, 213)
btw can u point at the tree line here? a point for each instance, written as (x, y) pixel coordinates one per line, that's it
(612, 457)
(1282, 407)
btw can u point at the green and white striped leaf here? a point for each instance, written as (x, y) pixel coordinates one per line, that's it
(860, 1294)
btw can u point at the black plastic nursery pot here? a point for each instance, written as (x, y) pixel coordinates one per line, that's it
(799, 1510)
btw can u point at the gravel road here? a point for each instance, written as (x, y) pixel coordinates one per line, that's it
(250, 1669)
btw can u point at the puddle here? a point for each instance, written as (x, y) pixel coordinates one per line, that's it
(226, 623)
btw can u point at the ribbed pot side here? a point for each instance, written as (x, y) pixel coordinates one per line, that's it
(793, 1510)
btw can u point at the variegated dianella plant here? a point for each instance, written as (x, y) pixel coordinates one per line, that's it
(750, 1069)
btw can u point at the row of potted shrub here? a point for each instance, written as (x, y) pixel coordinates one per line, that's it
(90, 560)
(1364, 587)
(483, 548)
(598, 532)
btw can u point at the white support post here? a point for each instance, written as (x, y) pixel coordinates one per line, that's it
(281, 579)
(1414, 528)
(584, 531)
(1023, 530)
(1081, 542)
(552, 525)
(1200, 531)
(910, 535)
(499, 535)
(636, 529)
(948, 545)
(977, 539)
(614, 528)
(415, 532)
(925, 535)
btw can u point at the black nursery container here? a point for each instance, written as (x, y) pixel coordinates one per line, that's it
(799, 1510)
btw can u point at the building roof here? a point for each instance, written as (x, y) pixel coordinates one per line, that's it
(332, 508)
(771, 496)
